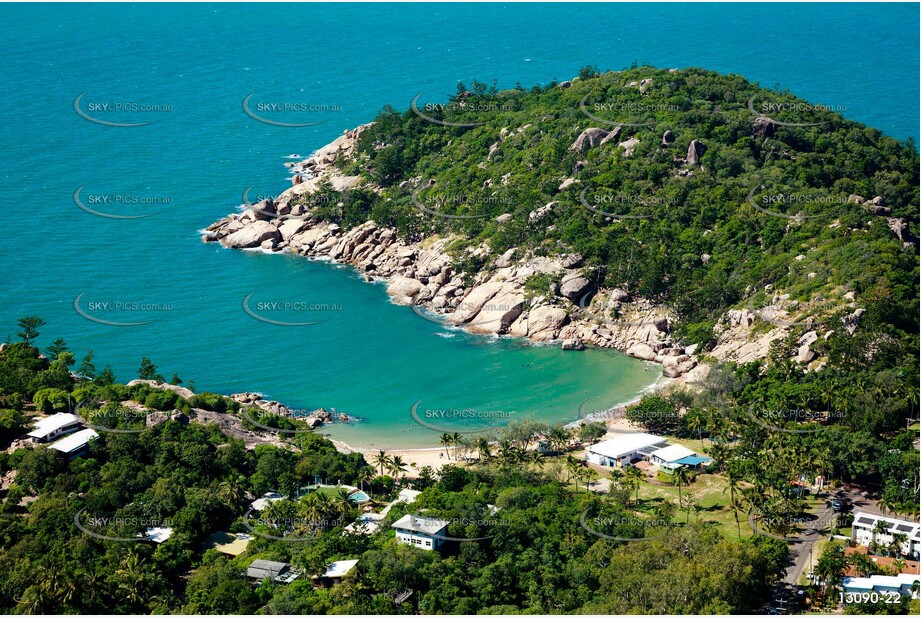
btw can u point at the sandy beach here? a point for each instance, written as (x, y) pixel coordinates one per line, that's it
(417, 458)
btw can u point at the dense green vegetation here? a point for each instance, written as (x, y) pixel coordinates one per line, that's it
(685, 211)
(530, 553)
(847, 422)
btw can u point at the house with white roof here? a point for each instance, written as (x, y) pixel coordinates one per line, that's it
(75, 444)
(868, 527)
(670, 454)
(157, 534)
(53, 427)
(904, 584)
(335, 571)
(423, 532)
(624, 449)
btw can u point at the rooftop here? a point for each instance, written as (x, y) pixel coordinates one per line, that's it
(50, 424)
(158, 535)
(339, 568)
(270, 569)
(912, 567)
(673, 453)
(626, 444)
(75, 441)
(868, 521)
(424, 525)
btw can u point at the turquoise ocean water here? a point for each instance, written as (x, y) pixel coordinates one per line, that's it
(368, 358)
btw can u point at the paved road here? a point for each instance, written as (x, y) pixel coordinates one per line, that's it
(803, 545)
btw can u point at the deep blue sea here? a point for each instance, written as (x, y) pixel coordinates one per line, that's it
(194, 65)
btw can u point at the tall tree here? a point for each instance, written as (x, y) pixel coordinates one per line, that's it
(148, 371)
(87, 370)
(29, 325)
(54, 350)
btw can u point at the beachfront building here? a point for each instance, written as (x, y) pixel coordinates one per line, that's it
(624, 449)
(868, 528)
(53, 427)
(423, 532)
(676, 456)
(75, 444)
(281, 572)
(903, 584)
(335, 571)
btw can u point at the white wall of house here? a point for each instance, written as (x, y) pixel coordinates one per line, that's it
(417, 539)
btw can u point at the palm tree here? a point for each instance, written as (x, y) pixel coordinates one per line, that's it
(734, 488)
(445, 441)
(589, 476)
(35, 600)
(680, 477)
(397, 466)
(695, 422)
(635, 478)
(131, 578)
(455, 442)
(898, 540)
(365, 474)
(232, 492)
(573, 466)
(558, 437)
(484, 449)
(879, 528)
(382, 460)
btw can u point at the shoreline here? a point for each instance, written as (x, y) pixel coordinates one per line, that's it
(614, 424)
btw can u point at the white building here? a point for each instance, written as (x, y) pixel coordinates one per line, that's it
(75, 444)
(54, 426)
(864, 531)
(624, 449)
(423, 532)
(902, 584)
(335, 571)
(670, 454)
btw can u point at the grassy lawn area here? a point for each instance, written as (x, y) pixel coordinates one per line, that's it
(712, 498)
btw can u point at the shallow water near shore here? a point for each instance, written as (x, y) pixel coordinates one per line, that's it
(365, 357)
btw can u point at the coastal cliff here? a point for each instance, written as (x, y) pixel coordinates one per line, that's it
(423, 275)
(674, 240)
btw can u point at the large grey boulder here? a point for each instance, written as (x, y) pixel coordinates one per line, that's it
(544, 322)
(253, 235)
(575, 287)
(589, 138)
(695, 151)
